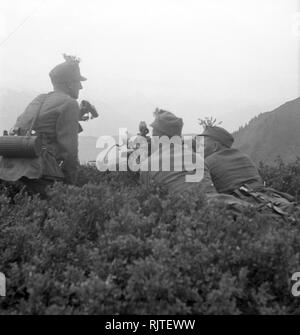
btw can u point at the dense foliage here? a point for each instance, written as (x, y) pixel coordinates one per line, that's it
(106, 246)
(282, 176)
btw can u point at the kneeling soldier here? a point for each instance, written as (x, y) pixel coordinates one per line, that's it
(55, 116)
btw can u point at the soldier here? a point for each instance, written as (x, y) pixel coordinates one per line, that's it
(57, 124)
(234, 173)
(229, 168)
(167, 125)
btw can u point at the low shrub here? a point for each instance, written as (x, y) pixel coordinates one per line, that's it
(282, 176)
(107, 246)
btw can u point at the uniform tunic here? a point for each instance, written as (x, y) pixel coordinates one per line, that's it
(58, 124)
(175, 179)
(230, 169)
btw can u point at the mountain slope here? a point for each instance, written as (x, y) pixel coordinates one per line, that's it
(87, 149)
(272, 134)
(12, 104)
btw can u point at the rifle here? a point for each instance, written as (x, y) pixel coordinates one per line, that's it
(270, 201)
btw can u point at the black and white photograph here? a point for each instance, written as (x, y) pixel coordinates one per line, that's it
(149, 160)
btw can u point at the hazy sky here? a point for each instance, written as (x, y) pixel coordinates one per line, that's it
(230, 59)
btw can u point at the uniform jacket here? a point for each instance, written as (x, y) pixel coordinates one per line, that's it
(175, 179)
(230, 169)
(58, 125)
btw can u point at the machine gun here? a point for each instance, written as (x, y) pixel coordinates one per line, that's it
(144, 131)
(280, 203)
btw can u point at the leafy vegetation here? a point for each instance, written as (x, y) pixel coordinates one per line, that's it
(106, 246)
(209, 122)
(283, 177)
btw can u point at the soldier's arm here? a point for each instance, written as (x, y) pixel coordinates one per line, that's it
(67, 138)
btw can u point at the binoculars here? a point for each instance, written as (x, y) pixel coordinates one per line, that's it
(86, 109)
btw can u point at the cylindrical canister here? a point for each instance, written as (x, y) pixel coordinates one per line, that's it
(20, 146)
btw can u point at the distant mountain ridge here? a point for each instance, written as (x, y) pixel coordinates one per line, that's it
(264, 138)
(272, 134)
(87, 149)
(12, 104)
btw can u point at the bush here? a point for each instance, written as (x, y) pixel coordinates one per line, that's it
(106, 246)
(284, 177)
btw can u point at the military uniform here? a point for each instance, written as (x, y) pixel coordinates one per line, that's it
(234, 173)
(175, 180)
(230, 169)
(57, 124)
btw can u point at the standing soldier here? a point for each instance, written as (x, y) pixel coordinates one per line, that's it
(55, 116)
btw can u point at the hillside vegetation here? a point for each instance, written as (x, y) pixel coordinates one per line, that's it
(106, 246)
